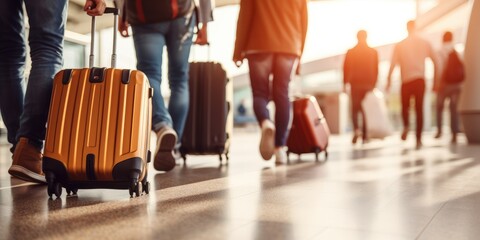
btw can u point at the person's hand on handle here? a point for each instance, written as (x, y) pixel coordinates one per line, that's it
(202, 37)
(95, 7)
(238, 61)
(123, 28)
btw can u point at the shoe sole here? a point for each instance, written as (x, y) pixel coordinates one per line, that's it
(26, 175)
(266, 143)
(164, 158)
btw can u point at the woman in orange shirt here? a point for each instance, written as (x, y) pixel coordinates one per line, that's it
(271, 35)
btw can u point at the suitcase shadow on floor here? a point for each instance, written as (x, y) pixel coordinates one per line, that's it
(184, 174)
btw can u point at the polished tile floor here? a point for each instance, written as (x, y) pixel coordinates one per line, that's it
(381, 190)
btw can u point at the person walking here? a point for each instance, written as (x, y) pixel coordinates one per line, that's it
(449, 63)
(25, 112)
(155, 25)
(410, 55)
(271, 36)
(360, 71)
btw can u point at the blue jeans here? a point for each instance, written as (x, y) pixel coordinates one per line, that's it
(280, 66)
(25, 114)
(149, 40)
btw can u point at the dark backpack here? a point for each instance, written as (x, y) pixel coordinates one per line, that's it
(454, 70)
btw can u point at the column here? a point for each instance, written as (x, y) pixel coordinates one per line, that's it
(469, 106)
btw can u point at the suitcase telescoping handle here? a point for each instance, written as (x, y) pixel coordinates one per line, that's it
(196, 46)
(114, 47)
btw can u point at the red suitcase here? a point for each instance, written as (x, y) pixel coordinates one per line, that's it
(309, 132)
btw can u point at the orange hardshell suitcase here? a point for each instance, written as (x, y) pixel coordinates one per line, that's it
(98, 129)
(309, 132)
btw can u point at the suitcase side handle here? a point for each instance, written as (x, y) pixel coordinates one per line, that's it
(114, 11)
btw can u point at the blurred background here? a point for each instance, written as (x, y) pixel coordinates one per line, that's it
(332, 29)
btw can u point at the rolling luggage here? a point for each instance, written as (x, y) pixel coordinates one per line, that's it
(309, 132)
(376, 115)
(98, 128)
(209, 122)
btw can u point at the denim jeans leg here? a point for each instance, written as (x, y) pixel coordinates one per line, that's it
(149, 41)
(260, 67)
(12, 66)
(179, 42)
(282, 74)
(47, 28)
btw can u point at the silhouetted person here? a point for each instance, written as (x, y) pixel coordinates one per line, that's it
(360, 71)
(271, 35)
(410, 55)
(448, 89)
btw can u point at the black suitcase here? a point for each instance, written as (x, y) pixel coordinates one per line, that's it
(210, 120)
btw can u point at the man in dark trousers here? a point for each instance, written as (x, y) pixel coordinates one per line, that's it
(410, 55)
(360, 71)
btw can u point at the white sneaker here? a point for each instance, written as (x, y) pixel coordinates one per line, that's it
(267, 141)
(280, 155)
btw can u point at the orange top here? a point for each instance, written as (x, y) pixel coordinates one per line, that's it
(271, 26)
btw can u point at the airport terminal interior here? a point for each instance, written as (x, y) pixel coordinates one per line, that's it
(382, 189)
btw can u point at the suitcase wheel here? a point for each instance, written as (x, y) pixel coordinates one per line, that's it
(54, 188)
(71, 191)
(146, 187)
(134, 188)
(137, 188)
(220, 157)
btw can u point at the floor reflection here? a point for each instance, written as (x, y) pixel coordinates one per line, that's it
(380, 190)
